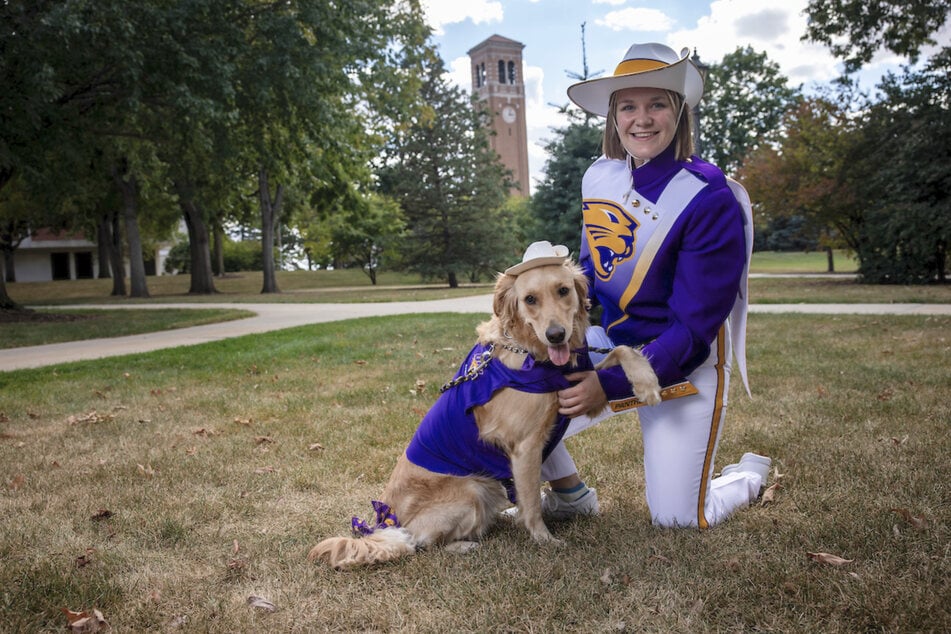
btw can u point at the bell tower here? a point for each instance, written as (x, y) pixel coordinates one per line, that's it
(497, 78)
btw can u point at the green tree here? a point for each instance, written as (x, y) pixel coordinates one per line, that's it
(806, 174)
(367, 232)
(854, 30)
(744, 102)
(447, 179)
(903, 154)
(556, 204)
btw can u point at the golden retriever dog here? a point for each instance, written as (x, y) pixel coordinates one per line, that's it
(541, 314)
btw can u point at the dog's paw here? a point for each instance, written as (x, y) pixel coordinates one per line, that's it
(648, 390)
(461, 547)
(545, 537)
(549, 541)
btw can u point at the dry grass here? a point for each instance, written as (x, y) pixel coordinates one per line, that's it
(196, 484)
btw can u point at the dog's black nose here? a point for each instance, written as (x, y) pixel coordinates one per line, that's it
(555, 334)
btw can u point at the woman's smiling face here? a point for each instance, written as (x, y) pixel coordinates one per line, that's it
(646, 122)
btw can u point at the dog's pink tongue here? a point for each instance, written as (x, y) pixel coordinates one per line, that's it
(559, 355)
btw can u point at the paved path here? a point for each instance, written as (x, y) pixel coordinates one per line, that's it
(279, 316)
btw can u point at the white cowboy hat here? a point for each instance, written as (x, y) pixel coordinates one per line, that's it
(644, 66)
(539, 254)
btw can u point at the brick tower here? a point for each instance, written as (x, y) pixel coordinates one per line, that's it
(497, 78)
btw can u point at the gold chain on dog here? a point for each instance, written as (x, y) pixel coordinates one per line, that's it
(475, 371)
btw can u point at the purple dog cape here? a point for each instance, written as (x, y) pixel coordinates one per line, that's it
(447, 440)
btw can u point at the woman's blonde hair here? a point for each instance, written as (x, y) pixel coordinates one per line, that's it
(683, 137)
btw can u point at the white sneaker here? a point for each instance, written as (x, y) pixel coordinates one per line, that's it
(555, 507)
(751, 462)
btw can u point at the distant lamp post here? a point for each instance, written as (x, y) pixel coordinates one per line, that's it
(703, 68)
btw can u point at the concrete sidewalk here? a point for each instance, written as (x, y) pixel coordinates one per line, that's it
(279, 316)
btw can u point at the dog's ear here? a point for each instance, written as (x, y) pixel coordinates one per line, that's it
(504, 301)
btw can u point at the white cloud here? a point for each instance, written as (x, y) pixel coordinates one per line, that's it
(459, 73)
(770, 26)
(632, 19)
(442, 12)
(613, 3)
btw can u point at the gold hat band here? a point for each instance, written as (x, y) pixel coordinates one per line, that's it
(629, 66)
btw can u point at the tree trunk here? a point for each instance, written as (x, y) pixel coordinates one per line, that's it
(130, 194)
(115, 256)
(103, 237)
(203, 282)
(829, 259)
(941, 257)
(453, 280)
(270, 212)
(219, 253)
(6, 302)
(10, 274)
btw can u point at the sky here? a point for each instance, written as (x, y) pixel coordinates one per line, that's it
(551, 33)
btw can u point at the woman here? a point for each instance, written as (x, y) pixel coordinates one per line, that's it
(666, 247)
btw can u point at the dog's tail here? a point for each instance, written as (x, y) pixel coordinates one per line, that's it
(380, 546)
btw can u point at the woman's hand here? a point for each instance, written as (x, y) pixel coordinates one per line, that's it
(582, 398)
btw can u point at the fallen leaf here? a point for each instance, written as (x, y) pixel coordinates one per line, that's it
(178, 622)
(191, 451)
(826, 558)
(315, 447)
(659, 558)
(17, 482)
(204, 433)
(360, 362)
(101, 514)
(235, 548)
(243, 421)
(4, 418)
(606, 577)
(147, 471)
(260, 440)
(917, 521)
(85, 559)
(85, 622)
(267, 469)
(89, 417)
(900, 441)
(769, 495)
(261, 604)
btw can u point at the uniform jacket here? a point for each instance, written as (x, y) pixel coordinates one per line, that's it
(695, 273)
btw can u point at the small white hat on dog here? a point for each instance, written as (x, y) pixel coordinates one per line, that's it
(539, 254)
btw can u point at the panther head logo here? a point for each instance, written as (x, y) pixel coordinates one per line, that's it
(610, 235)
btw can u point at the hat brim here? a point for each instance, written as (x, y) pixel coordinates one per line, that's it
(681, 77)
(521, 267)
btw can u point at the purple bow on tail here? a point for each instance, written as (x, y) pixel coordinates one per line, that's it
(385, 518)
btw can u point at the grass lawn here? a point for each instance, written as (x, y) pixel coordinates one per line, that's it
(165, 489)
(56, 326)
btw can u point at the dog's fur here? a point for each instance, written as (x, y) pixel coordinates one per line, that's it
(545, 311)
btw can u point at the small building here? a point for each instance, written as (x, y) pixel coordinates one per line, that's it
(48, 255)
